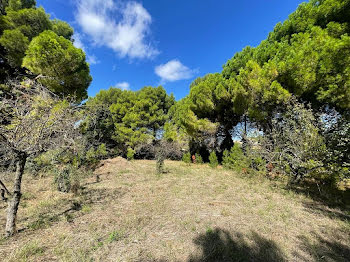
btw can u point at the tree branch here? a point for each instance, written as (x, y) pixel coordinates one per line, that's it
(4, 187)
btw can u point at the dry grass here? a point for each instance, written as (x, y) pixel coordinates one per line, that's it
(192, 213)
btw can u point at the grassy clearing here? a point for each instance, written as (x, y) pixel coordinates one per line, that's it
(192, 213)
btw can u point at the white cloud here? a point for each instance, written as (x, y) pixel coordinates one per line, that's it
(78, 43)
(92, 59)
(123, 85)
(121, 27)
(173, 70)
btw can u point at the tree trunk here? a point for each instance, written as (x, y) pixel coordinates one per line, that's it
(227, 143)
(16, 197)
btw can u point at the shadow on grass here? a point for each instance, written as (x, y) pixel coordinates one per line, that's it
(87, 196)
(328, 201)
(326, 194)
(321, 248)
(45, 220)
(320, 208)
(219, 245)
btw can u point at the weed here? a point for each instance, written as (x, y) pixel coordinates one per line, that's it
(115, 236)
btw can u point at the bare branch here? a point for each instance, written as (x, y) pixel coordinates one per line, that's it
(4, 187)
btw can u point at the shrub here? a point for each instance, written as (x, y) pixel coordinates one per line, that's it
(199, 159)
(213, 160)
(235, 159)
(130, 154)
(258, 163)
(160, 165)
(62, 179)
(68, 178)
(225, 157)
(101, 151)
(90, 155)
(94, 156)
(294, 143)
(186, 158)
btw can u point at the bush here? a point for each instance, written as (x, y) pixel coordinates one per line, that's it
(199, 159)
(258, 163)
(94, 156)
(294, 143)
(62, 179)
(68, 178)
(101, 151)
(145, 151)
(130, 154)
(225, 157)
(235, 159)
(160, 165)
(213, 160)
(186, 158)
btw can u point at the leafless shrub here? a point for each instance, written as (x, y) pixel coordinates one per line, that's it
(34, 120)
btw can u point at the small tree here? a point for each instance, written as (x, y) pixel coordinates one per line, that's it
(164, 150)
(199, 159)
(186, 158)
(33, 121)
(213, 160)
(130, 154)
(235, 158)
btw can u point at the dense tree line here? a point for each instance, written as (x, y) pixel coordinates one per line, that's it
(304, 59)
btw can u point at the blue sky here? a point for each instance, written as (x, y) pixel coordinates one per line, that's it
(131, 44)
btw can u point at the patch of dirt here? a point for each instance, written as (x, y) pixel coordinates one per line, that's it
(111, 165)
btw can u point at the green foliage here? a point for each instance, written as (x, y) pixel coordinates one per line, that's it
(31, 22)
(28, 3)
(62, 28)
(29, 39)
(295, 143)
(68, 178)
(258, 163)
(173, 132)
(199, 159)
(187, 158)
(304, 59)
(93, 156)
(101, 151)
(126, 118)
(44, 162)
(16, 5)
(130, 154)
(309, 52)
(337, 139)
(225, 157)
(213, 160)
(62, 179)
(56, 57)
(115, 236)
(235, 159)
(15, 44)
